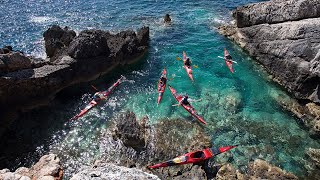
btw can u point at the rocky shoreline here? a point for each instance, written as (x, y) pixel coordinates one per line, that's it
(134, 144)
(27, 82)
(284, 37)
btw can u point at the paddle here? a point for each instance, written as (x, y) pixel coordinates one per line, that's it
(229, 60)
(178, 58)
(94, 88)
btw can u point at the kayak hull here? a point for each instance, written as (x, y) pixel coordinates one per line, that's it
(228, 61)
(189, 108)
(193, 157)
(188, 69)
(161, 89)
(93, 103)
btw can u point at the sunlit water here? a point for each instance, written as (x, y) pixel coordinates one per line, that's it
(239, 108)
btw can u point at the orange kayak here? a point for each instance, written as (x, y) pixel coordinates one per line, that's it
(193, 157)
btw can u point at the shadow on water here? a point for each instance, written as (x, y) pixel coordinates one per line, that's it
(29, 137)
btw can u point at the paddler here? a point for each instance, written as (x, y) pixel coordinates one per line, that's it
(187, 62)
(185, 101)
(98, 96)
(163, 80)
(228, 57)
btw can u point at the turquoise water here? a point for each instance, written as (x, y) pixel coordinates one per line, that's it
(239, 108)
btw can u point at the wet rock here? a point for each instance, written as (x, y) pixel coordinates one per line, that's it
(257, 169)
(283, 36)
(48, 167)
(107, 171)
(14, 61)
(167, 18)
(131, 136)
(314, 155)
(89, 43)
(57, 38)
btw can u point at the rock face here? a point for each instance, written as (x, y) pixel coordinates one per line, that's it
(257, 169)
(283, 36)
(48, 167)
(26, 81)
(107, 171)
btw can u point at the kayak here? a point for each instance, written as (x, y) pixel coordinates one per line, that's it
(193, 157)
(187, 68)
(161, 89)
(189, 108)
(228, 60)
(93, 102)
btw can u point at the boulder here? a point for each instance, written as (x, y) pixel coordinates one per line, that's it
(167, 18)
(107, 171)
(14, 61)
(57, 38)
(89, 43)
(47, 168)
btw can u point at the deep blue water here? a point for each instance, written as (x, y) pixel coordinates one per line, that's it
(240, 108)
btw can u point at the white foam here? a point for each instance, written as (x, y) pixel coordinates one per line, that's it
(42, 19)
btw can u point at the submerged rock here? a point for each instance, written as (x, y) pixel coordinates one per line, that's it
(257, 169)
(48, 167)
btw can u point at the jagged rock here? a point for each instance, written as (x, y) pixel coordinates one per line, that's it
(56, 38)
(257, 169)
(14, 61)
(276, 11)
(167, 18)
(106, 171)
(129, 131)
(314, 155)
(89, 43)
(47, 168)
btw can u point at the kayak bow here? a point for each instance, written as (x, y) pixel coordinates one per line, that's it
(187, 68)
(228, 61)
(193, 157)
(93, 102)
(189, 108)
(162, 88)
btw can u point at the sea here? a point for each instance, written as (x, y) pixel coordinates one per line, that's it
(239, 108)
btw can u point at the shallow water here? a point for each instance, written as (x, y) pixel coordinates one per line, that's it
(239, 108)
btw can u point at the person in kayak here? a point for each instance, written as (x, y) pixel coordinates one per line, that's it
(98, 96)
(186, 101)
(187, 62)
(163, 81)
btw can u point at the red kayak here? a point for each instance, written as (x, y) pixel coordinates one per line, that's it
(93, 102)
(189, 108)
(188, 68)
(228, 60)
(162, 87)
(193, 157)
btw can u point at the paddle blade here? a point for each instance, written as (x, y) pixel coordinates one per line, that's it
(195, 66)
(94, 88)
(178, 58)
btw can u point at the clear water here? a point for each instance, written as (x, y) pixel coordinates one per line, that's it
(239, 108)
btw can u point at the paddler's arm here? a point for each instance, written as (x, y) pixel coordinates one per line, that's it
(191, 100)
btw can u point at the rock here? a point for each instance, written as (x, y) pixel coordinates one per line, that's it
(143, 36)
(131, 136)
(314, 155)
(288, 49)
(89, 43)
(258, 169)
(14, 61)
(276, 11)
(48, 168)
(56, 38)
(167, 18)
(107, 171)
